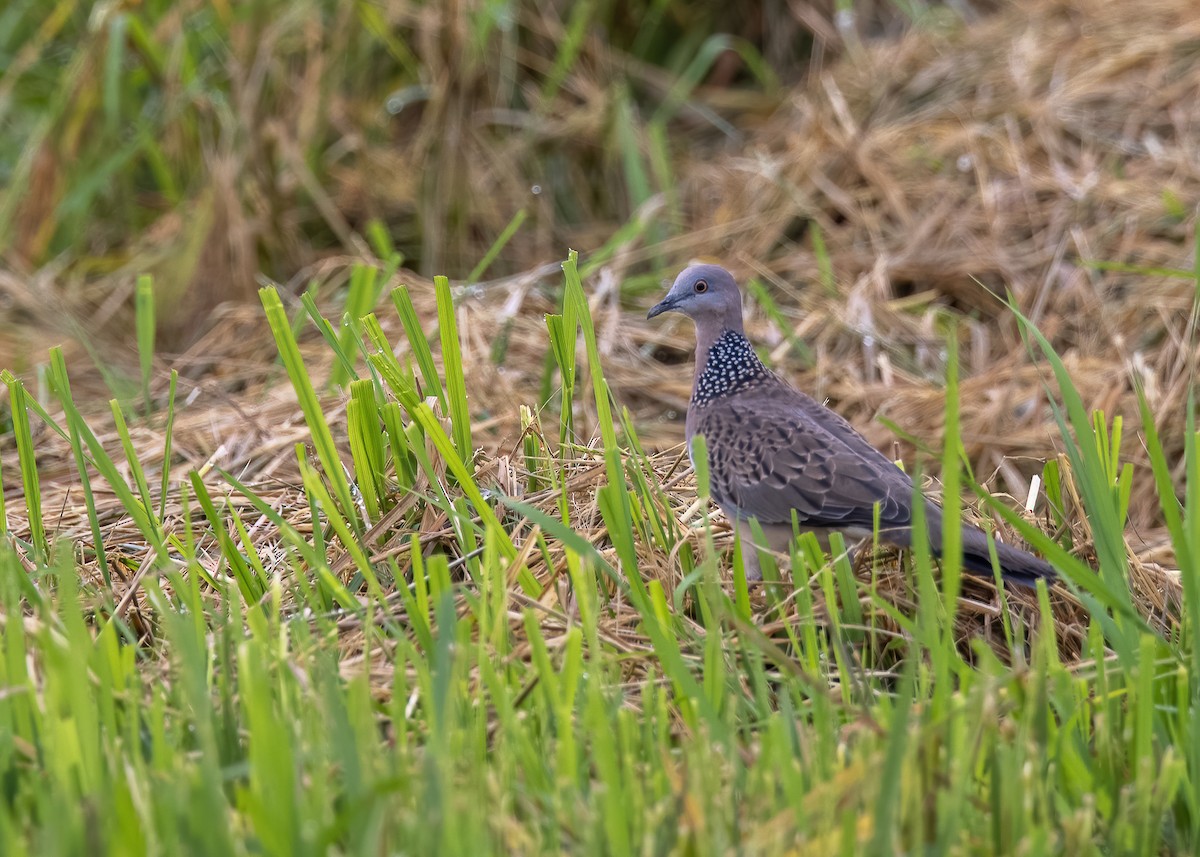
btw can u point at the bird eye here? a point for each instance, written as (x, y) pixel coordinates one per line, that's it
(701, 286)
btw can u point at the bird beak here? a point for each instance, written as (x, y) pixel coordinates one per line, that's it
(665, 305)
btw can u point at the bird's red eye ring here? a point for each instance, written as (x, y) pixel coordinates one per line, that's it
(701, 286)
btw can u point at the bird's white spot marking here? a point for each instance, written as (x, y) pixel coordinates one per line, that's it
(731, 366)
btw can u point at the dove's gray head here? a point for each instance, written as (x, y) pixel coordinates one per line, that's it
(709, 296)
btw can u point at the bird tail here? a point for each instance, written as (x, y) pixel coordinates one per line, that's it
(1016, 565)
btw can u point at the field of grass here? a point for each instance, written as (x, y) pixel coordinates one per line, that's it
(373, 562)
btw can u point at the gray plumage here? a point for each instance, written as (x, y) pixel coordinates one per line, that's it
(773, 450)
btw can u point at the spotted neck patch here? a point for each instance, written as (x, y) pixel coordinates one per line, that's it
(732, 366)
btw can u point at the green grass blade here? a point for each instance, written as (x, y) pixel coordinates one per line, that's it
(418, 343)
(314, 416)
(498, 246)
(345, 361)
(142, 516)
(452, 363)
(363, 421)
(27, 457)
(168, 446)
(145, 322)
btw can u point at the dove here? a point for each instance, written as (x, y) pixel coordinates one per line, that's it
(775, 453)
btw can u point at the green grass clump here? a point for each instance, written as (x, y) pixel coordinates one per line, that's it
(525, 678)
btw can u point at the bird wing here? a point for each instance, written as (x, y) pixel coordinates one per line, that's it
(778, 452)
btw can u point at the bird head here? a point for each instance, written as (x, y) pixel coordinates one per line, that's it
(708, 295)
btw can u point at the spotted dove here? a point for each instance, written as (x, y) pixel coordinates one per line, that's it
(773, 451)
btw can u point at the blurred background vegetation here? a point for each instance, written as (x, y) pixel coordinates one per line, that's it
(211, 142)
